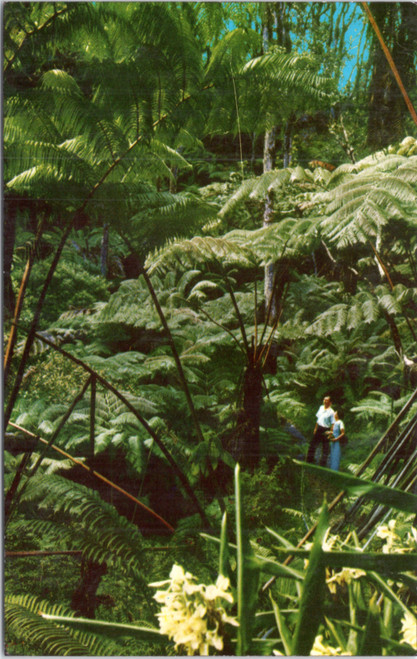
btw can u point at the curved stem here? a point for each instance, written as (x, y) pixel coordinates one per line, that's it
(94, 473)
(175, 355)
(145, 424)
(32, 472)
(238, 315)
(31, 33)
(225, 329)
(34, 324)
(19, 302)
(391, 62)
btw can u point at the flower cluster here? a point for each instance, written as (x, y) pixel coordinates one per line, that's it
(192, 614)
(409, 630)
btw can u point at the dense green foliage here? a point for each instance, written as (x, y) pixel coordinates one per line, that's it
(207, 229)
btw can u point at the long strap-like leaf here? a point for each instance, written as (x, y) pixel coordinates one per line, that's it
(312, 597)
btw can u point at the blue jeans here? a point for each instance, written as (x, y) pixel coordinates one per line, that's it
(335, 453)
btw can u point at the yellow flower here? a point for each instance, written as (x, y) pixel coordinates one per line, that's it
(344, 576)
(192, 615)
(219, 590)
(387, 533)
(409, 630)
(329, 541)
(319, 649)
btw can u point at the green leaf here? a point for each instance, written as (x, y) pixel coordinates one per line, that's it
(284, 632)
(312, 596)
(337, 633)
(264, 564)
(273, 567)
(370, 644)
(388, 592)
(282, 540)
(224, 567)
(108, 629)
(385, 563)
(247, 577)
(401, 648)
(388, 496)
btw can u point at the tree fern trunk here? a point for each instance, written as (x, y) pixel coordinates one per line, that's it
(248, 451)
(84, 599)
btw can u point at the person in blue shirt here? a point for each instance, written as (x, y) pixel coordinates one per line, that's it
(335, 439)
(325, 421)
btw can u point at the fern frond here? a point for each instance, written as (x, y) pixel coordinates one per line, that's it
(216, 252)
(103, 535)
(23, 620)
(364, 198)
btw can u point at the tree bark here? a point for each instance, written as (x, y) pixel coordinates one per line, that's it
(248, 452)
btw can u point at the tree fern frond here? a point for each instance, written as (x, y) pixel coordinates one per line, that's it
(360, 208)
(270, 181)
(177, 216)
(102, 534)
(242, 193)
(22, 619)
(376, 404)
(230, 52)
(216, 252)
(292, 70)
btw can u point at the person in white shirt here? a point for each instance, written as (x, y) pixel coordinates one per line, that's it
(335, 439)
(325, 421)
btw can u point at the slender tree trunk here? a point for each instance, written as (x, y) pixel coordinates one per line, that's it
(9, 232)
(104, 252)
(288, 140)
(268, 164)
